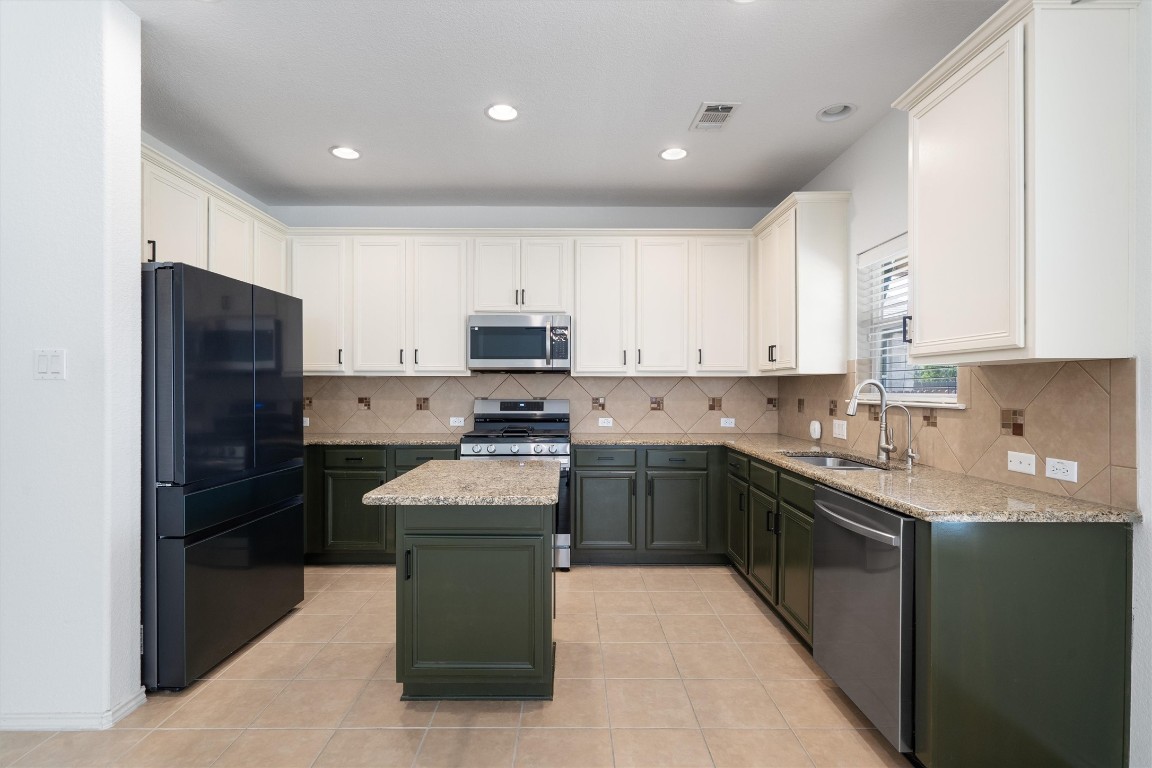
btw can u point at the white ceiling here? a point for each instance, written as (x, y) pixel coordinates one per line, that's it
(257, 91)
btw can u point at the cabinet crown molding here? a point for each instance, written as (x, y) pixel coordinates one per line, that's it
(1010, 14)
(792, 200)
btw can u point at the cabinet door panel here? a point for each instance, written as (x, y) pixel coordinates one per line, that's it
(785, 281)
(603, 311)
(496, 277)
(270, 258)
(966, 201)
(796, 568)
(605, 510)
(318, 281)
(737, 505)
(769, 328)
(473, 606)
(722, 306)
(763, 541)
(544, 275)
(349, 524)
(175, 216)
(379, 277)
(229, 240)
(662, 299)
(676, 510)
(439, 308)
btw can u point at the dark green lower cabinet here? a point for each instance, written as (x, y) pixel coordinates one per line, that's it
(737, 507)
(604, 506)
(474, 608)
(348, 523)
(762, 552)
(676, 512)
(795, 595)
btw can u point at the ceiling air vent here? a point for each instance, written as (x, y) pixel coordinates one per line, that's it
(712, 115)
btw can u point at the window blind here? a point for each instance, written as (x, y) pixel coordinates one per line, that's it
(883, 290)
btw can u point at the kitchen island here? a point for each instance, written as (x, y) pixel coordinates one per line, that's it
(474, 588)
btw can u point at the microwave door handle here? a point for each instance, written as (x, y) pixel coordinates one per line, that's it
(548, 343)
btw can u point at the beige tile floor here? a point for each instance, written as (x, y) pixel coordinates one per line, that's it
(656, 666)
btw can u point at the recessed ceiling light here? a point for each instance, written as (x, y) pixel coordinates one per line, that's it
(344, 153)
(502, 112)
(674, 153)
(834, 112)
(743, 2)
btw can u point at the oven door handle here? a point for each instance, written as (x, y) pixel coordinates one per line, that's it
(863, 530)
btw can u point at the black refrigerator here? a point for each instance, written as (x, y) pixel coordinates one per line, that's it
(223, 456)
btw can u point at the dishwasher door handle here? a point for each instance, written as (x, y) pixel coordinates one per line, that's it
(863, 530)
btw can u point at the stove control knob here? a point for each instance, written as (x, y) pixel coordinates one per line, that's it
(477, 448)
(537, 449)
(551, 449)
(515, 449)
(490, 449)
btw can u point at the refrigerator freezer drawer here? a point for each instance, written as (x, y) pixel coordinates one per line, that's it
(184, 511)
(220, 592)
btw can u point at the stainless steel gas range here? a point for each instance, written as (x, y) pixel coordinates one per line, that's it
(529, 430)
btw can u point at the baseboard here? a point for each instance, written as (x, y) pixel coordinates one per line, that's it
(70, 721)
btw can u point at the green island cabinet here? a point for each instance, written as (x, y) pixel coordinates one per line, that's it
(339, 527)
(474, 590)
(770, 516)
(638, 504)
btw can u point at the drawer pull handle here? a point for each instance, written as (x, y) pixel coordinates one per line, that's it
(424, 458)
(605, 458)
(353, 458)
(677, 459)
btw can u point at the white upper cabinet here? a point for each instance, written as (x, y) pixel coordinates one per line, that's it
(603, 316)
(229, 240)
(1019, 149)
(270, 258)
(318, 271)
(439, 305)
(663, 298)
(512, 274)
(722, 305)
(380, 305)
(802, 262)
(174, 218)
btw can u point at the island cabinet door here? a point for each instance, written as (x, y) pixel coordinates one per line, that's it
(605, 510)
(349, 523)
(473, 607)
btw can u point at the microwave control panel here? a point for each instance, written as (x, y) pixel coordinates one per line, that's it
(560, 343)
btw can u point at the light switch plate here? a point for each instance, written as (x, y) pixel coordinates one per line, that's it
(305, 421)
(455, 421)
(50, 364)
(727, 422)
(1024, 463)
(840, 429)
(1061, 469)
(604, 421)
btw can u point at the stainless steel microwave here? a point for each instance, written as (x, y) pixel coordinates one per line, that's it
(519, 343)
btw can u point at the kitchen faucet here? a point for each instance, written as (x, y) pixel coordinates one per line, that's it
(884, 448)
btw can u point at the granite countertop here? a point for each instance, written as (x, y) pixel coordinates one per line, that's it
(472, 483)
(926, 493)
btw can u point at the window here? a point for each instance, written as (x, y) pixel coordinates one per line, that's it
(882, 290)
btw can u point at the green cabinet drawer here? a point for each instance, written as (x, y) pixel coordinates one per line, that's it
(764, 477)
(799, 493)
(737, 464)
(509, 519)
(606, 457)
(677, 459)
(355, 458)
(416, 455)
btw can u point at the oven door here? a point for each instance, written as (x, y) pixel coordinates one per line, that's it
(509, 343)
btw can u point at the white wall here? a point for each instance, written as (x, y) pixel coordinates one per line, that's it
(1140, 749)
(70, 278)
(512, 217)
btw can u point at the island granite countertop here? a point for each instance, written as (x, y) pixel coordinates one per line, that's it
(472, 483)
(927, 493)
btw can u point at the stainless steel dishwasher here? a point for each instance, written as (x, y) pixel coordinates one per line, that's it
(863, 608)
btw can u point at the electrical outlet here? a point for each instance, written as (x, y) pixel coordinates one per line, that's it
(305, 421)
(604, 421)
(1024, 463)
(727, 422)
(840, 429)
(1060, 469)
(455, 421)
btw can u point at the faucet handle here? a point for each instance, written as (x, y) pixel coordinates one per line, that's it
(886, 443)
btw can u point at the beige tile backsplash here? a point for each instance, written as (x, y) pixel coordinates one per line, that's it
(1082, 411)
(338, 406)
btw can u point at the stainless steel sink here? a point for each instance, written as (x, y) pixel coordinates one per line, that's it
(835, 462)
